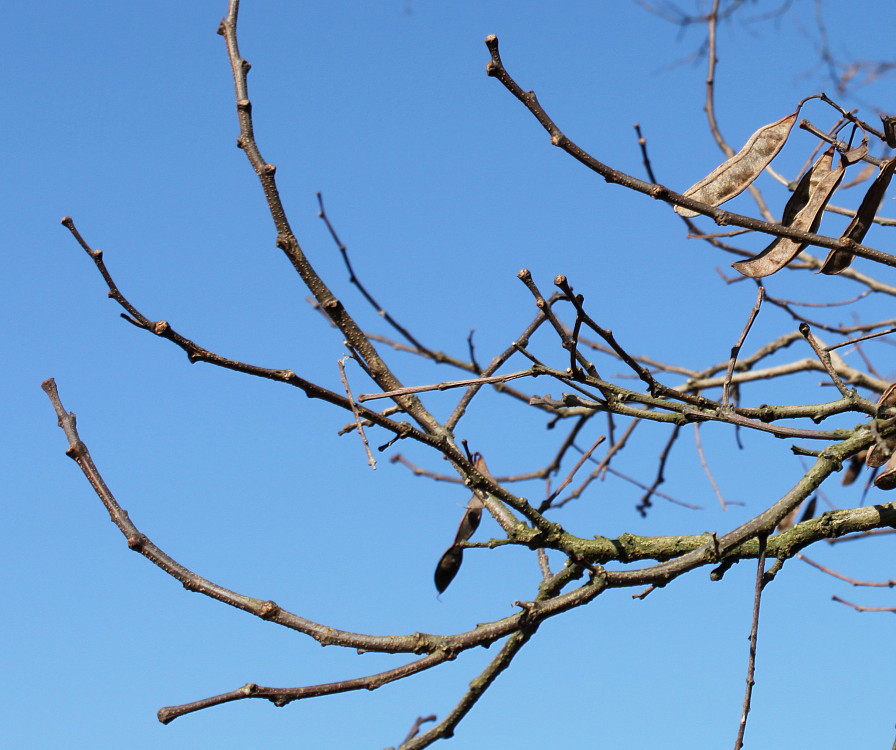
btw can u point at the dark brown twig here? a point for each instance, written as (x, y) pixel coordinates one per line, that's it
(754, 631)
(735, 350)
(353, 278)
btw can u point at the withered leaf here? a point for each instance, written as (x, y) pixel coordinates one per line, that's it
(783, 250)
(735, 175)
(840, 258)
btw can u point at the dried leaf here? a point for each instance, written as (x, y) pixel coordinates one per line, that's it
(840, 258)
(735, 175)
(783, 250)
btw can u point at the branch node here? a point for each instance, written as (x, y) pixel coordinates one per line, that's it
(269, 610)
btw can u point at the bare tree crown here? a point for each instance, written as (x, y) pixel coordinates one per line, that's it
(595, 392)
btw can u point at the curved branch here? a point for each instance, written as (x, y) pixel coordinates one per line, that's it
(287, 242)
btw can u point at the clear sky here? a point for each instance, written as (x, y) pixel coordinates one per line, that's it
(443, 187)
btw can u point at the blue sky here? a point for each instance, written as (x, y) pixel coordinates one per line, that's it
(443, 187)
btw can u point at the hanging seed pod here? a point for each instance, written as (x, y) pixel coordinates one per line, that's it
(783, 250)
(448, 566)
(450, 561)
(809, 509)
(807, 185)
(735, 175)
(854, 468)
(452, 558)
(889, 123)
(886, 480)
(880, 451)
(840, 258)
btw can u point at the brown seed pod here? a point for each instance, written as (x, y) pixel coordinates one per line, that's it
(448, 566)
(840, 258)
(735, 175)
(886, 480)
(450, 561)
(889, 123)
(783, 250)
(806, 187)
(854, 468)
(888, 397)
(879, 452)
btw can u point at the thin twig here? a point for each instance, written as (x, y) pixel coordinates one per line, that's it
(353, 278)
(754, 631)
(854, 581)
(824, 357)
(368, 356)
(735, 350)
(360, 427)
(710, 108)
(707, 470)
(862, 608)
(546, 503)
(645, 503)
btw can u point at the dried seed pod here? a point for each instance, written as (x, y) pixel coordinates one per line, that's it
(470, 521)
(886, 480)
(854, 468)
(877, 455)
(856, 153)
(787, 522)
(889, 123)
(840, 258)
(881, 451)
(450, 561)
(735, 175)
(809, 509)
(448, 566)
(888, 397)
(783, 250)
(806, 186)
